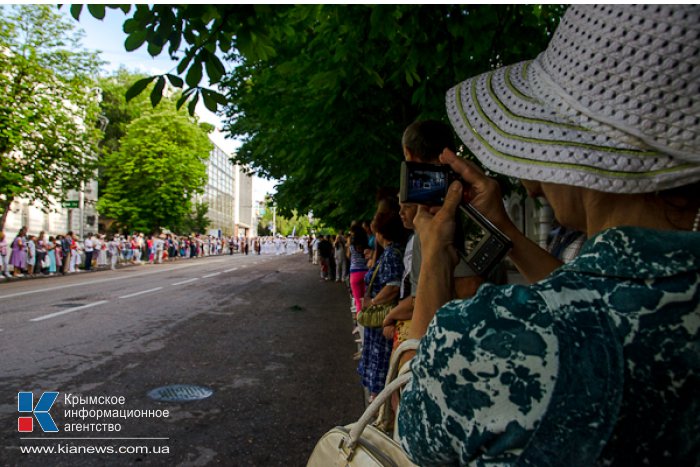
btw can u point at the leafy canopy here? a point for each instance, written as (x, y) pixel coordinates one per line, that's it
(49, 106)
(196, 221)
(116, 109)
(160, 165)
(320, 94)
(326, 114)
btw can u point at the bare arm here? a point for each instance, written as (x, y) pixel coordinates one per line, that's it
(484, 194)
(404, 310)
(436, 230)
(386, 295)
(532, 261)
(466, 287)
(438, 261)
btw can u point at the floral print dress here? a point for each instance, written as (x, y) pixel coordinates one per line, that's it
(376, 349)
(597, 364)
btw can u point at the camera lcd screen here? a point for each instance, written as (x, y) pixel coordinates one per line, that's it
(479, 243)
(472, 233)
(426, 186)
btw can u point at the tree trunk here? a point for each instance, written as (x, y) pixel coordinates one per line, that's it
(5, 206)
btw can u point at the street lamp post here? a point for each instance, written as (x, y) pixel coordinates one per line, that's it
(81, 208)
(103, 121)
(274, 220)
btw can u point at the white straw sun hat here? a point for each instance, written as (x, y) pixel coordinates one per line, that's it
(613, 104)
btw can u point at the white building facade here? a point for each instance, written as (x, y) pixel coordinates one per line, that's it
(78, 215)
(229, 194)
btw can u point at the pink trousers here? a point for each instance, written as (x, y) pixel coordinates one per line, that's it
(357, 285)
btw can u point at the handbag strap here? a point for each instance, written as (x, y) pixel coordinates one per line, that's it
(408, 344)
(371, 411)
(374, 275)
(384, 397)
(385, 412)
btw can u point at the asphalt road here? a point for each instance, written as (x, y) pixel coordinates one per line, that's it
(263, 332)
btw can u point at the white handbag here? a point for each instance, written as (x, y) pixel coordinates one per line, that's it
(362, 444)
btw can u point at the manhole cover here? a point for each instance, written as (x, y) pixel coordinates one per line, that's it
(180, 393)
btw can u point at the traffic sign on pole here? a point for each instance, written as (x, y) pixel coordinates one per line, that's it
(70, 204)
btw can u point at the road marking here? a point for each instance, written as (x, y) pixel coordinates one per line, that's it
(111, 279)
(71, 310)
(211, 275)
(141, 293)
(229, 270)
(187, 281)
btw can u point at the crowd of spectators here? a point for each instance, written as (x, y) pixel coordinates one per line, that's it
(595, 360)
(29, 255)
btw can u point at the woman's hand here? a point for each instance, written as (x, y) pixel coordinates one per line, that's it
(480, 191)
(483, 192)
(388, 331)
(436, 227)
(388, 321)
(366, 302)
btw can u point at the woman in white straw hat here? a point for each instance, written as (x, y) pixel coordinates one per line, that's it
(598, 361)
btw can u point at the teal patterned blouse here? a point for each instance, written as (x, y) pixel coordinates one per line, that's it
(597, 364)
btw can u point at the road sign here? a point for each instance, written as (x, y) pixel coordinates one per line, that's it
(70, 204)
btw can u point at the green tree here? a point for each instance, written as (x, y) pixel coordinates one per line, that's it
(116, 109)
(119, 113)
(196, 221)
(158, 168)
(326, 114)
(49, 107)
(321, 93)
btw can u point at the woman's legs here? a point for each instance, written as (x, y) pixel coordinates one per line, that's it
(357, 285)
(88, 261)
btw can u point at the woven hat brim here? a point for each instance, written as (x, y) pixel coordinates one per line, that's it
(500, 118)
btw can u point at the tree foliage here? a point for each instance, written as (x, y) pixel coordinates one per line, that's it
(157, 169)
(116, 109)
(320, 94)
(49, 107)
(121, 114)
(210, 31)
(326, 114)
(196, 221)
